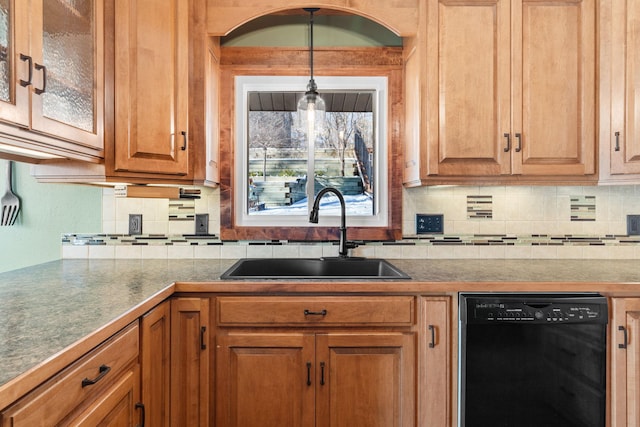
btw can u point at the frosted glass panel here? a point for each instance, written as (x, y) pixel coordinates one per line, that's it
(68, 52)
(5, 51)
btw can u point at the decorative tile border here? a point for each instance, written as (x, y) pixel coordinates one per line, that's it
(423, 240)
(479, 207)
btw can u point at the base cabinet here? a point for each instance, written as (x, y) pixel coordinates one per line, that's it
(316, 360)
(101, 388)
(189, 362)
(625, 362)
(155, 337)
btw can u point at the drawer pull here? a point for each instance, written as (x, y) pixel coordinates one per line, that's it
(140, 406)
(308, 373)
(432, 328)
(315, 313)
(102, 371)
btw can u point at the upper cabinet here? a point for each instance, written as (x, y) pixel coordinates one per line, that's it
(161, 102)
(621, 142)
(501, 88)
(152, 86)
(51, 77)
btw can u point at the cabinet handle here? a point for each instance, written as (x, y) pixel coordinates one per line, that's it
(140, 406)
(321, 373)
(184, 140)
(308, 373)
(432, 328)
(203, 344)
(29, 60)
(617, 134)
(44, 79)
(315, 313)
(519, 146)
(624, 332)
(508, 147)
(102, 371)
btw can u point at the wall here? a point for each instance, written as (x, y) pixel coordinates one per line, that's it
(46, 211)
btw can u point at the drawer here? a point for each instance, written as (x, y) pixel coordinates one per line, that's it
(314, 311)
(63, 393)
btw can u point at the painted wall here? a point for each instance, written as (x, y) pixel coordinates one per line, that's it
(46, 211)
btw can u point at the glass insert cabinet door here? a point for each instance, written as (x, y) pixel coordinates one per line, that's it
(52, 67)
(67, 77)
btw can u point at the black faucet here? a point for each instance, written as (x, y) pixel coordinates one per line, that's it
(313, 218)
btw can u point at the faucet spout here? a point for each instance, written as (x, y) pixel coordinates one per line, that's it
(313, 218)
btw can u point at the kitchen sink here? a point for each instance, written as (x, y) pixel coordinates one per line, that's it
(313, 268)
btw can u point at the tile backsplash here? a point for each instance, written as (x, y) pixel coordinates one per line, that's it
(479, 222)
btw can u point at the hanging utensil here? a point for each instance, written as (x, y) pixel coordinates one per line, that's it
(10, 202)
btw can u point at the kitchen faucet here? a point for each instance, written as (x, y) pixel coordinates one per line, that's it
(313, 218)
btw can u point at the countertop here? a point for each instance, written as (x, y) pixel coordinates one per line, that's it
(52, 308)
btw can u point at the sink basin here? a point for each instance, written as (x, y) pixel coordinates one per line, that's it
(313, 268)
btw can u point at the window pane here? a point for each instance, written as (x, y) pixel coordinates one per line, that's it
(279, 160)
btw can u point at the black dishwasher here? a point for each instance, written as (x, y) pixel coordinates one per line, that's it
(532, 360)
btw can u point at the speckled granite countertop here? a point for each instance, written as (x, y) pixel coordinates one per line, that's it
(47, 308)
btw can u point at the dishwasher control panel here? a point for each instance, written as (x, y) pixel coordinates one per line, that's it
(536, 309)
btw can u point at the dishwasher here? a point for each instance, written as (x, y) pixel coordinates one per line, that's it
(532, 360)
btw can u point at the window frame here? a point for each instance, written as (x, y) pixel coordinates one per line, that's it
(246, 84)
(258, 61)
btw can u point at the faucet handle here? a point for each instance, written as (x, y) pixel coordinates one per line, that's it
(350, 244)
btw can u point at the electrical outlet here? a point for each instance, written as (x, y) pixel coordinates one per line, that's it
(633, 225)
(202, 223)
(135, 224)
(429, 223)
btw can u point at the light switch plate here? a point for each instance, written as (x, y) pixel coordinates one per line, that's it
(633, 225)
(429, 223)
(135, 224)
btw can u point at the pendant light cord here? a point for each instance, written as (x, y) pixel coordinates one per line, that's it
(312, 83)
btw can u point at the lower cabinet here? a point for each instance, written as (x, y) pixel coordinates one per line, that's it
(332, 361)
(101, 388)
(190, 380)
(625, 362)
(155, 349)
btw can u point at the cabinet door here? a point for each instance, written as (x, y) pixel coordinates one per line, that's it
(365, 380)
(117, 407)
(151, 86)
(553, 102)
(14, 62)
(68, 76)
(435, 363)
(190, 362)
(265, 380)
(625, 365)
(155, 352)
(625, 82)
(469, 88)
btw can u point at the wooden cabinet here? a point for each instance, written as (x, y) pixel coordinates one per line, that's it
(625, 362)
(190, 380)
(102, 385)
(155, 346)
(326, 361)
(623, 139)
(152, 86)
(52, 77)
(161, 114)
(503, 87)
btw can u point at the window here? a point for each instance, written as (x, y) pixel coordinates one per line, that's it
(278, 169)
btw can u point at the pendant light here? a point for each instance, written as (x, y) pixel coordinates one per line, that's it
(311, 107)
